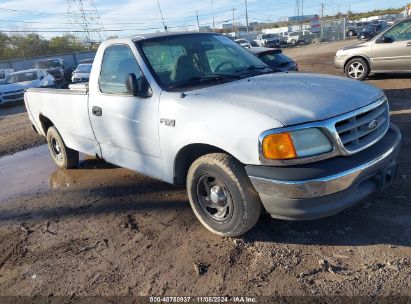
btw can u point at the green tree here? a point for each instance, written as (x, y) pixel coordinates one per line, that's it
(66, 43)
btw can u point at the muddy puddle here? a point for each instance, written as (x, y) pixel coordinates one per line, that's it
(33, 171)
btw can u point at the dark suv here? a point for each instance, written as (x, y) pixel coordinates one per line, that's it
(372, 30)
(55, 67)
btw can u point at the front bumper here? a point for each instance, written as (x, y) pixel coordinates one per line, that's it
(339, 62)
(327, 187)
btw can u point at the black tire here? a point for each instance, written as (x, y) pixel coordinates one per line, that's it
(357, 68)
(293, 42)
(63, 156)
(226, 178)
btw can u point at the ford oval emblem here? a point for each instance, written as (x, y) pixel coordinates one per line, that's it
(372, 124)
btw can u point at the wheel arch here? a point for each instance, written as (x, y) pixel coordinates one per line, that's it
(187, 155)
(45, 122)
(367, 61)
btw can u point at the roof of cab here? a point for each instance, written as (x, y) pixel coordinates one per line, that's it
(158, 35)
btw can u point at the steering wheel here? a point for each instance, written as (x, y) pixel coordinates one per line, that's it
(218, 68)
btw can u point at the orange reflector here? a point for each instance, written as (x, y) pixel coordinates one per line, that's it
(278, 146)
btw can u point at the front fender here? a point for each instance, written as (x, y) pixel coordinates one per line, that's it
(205, 121)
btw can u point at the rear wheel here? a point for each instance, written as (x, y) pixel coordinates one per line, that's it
(63, 156)
(222, 196)
(357, 69)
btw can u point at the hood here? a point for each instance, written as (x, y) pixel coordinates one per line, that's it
(294, 98)
(15, 86)
(356, 45)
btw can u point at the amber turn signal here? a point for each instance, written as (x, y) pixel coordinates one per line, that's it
(279, 146)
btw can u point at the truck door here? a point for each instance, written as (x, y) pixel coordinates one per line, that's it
(125, 126)
(393, 53)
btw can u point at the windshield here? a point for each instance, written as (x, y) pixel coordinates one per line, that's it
(46, 64)
(83, 68)
(21, 77)
(186, 61)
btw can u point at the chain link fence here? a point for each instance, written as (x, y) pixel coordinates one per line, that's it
(333, 30)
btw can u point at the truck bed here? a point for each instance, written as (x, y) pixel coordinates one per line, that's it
(67, 110)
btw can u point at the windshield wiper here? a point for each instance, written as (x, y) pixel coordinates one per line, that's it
(204, 79)
(260, 69)
(254, 68)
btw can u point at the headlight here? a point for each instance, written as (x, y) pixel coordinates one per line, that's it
(295, 144)
(339, 53)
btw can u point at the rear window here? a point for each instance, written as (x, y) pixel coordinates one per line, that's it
(46, 64)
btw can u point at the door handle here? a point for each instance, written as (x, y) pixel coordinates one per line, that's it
(97, 111)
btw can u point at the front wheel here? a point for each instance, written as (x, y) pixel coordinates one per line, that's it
(62, 155)
(357, 69)
(222, 196)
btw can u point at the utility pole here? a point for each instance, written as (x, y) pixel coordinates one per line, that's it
(198, 22)
(297, 5)
(321, 22)
(302, 8)
(212, 12)
(85, 14)
(234, 20)
(246, 20)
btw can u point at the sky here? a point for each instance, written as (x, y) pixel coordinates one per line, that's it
(130, 17)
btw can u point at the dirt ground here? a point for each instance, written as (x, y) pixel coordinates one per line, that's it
(16, 133)
(106, 231)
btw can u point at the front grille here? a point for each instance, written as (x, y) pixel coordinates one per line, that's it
(363, 129)
(12, 92)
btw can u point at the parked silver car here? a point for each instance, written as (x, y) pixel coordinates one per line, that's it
(81, 73)
(390, 51)
(12, 90)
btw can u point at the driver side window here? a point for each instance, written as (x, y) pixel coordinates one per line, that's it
(118, 62)
(400, 32)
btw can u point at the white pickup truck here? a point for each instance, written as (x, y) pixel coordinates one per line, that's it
(200, 110)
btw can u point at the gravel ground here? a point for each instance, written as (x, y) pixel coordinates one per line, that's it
(106, 231)
(16, 133)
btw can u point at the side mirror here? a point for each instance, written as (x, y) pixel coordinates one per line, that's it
(385, 39)
(138, 87)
